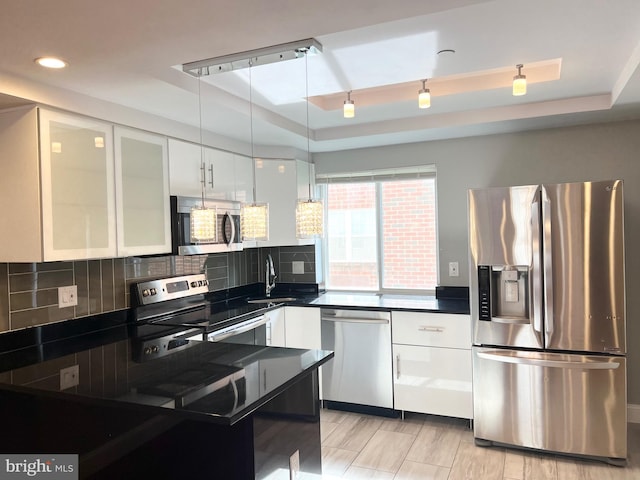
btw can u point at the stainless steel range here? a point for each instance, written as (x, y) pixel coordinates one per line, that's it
(172, 313)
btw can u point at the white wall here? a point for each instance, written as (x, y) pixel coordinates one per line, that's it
(592, 152)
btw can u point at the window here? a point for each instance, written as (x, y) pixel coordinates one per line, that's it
(381, 233)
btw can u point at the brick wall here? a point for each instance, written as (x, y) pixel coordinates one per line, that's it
(409, 235)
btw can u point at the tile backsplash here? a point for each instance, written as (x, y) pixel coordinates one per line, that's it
(29, 291)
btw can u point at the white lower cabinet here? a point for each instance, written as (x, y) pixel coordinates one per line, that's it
(432, 363)
(302, 327)
(276, 328)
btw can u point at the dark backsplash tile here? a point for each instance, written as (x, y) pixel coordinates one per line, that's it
(104, 285)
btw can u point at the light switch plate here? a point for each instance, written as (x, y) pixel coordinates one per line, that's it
(67, 296)
(297, 267)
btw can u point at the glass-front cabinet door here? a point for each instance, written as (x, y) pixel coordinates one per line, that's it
(77, 178)
(142, 192)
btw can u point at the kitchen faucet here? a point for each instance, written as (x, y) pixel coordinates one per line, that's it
(269, 276)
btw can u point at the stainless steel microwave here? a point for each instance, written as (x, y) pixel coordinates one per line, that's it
(228, 224)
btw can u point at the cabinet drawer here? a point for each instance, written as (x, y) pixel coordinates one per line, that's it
(432, 380)
(431, 329)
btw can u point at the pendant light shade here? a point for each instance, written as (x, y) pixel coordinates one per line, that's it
(424, 96)
(349, 109)
(203, 225)
(203, 219)
(309, 213)
(254, 217)
(309, 218)
(254, 221)
(519, 82)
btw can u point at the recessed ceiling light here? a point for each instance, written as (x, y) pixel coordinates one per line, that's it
(50, 62)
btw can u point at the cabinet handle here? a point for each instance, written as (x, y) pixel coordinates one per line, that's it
(397, 367)
(268, 334)
(427, 328)
(211, 175)
(264, 380)
(203, 175)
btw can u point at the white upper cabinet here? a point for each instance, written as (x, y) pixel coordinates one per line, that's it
(57, 187)
(66, 196)
(142, 193)
(186, 173)
(280, 183)
(244, 178)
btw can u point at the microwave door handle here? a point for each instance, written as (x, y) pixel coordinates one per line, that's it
(535, 308)
(228, 219)
(547, 267)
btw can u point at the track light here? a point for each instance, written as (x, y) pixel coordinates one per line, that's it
(349, 109)
(424, 96)
(519, 82)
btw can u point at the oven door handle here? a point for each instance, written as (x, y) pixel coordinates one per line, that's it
(237, 329)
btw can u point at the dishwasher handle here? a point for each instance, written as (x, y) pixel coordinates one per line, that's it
(354, 320)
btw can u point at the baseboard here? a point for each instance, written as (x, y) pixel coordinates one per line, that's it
(633, 413)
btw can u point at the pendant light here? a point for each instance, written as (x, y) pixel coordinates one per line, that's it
(254, 217)
(310, 212)
(519, 82)
(203, 219)
(349, 109)
(424, 96)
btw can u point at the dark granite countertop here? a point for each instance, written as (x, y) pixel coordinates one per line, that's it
(108, 372)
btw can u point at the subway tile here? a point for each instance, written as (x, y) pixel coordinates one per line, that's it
(21, 282)
(4, 297)
(220, 284)
(39, 267)
(217, 260)
(108, 288)
(119, 284)
(95, 287)
(39, 316)
(81, 279)
(34, 299)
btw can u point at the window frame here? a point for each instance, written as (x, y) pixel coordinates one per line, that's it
(326, 180)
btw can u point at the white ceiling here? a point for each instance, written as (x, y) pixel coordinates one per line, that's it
(125, 52)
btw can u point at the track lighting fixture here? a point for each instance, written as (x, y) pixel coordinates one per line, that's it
(424, 96)
(349, 109)
(519, 82)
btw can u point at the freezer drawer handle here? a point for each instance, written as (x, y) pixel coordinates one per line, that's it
(549, 363)
(427, 328)
(354, 320)
(398, 367)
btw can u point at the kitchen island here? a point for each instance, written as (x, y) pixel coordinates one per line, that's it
(210, 410)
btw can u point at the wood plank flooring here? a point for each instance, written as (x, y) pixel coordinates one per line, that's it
(424, 447)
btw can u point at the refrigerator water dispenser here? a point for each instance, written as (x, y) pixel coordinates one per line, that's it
(504, 292)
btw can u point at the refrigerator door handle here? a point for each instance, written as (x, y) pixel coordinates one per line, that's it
(540, 362)
(536, 273)
(547, 267)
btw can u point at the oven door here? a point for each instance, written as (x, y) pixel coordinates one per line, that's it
(247, 332)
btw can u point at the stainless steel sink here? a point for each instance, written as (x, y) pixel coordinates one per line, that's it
(271, 300)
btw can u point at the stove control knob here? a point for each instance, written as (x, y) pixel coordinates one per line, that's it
(206, 282)
(145, 293)
(194, 284)
(154, 349)
(147, 351)
(153, 291)
(200, 283)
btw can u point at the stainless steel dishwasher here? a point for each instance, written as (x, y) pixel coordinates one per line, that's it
(361, 370)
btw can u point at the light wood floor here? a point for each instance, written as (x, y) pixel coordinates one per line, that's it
(429, 447)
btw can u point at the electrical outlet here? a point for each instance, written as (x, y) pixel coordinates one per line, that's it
(69, 377)
(294, 465)
(67, 296)
(297, 267)
(453, 269)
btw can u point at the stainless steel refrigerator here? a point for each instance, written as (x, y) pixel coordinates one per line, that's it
(547, 295)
